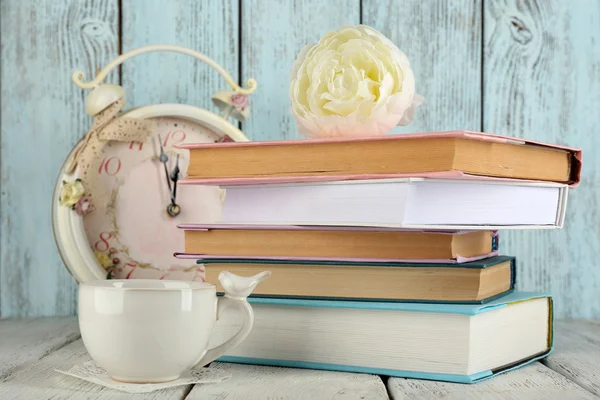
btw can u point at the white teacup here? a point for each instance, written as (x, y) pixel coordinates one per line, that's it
(148, 331)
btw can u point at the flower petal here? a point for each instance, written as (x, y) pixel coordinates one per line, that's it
(409, 114)
(353, 82)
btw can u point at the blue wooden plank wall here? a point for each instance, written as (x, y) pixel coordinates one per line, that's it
(521, 68)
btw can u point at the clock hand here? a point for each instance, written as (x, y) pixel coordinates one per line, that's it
(175, 178)
(164, 158)
(173, 209)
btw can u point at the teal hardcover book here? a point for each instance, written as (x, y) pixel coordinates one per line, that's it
(474, 282)
(448, 342)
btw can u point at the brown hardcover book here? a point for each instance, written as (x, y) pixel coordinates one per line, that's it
(450, 154)
(336, 243)
(476, 281)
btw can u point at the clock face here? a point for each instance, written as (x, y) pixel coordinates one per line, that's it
(129, 229)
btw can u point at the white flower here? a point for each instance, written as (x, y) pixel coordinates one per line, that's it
(70, 193)
(354, 82)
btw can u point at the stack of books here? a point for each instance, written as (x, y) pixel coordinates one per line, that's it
(384, 251)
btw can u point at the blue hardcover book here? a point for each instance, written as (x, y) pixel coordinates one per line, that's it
(447, 342)
(472, 282)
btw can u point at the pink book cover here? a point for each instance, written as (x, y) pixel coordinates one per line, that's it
(576, 164)
(205, 227)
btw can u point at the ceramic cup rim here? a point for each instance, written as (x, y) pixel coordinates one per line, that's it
(153, 285)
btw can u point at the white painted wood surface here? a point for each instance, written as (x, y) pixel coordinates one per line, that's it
(251, 382)
(577, 354)
(571, 372)
(26, 341)
(533, 382)
(41, 381)
(542, 81)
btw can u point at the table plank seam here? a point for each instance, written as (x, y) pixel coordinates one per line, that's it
(385, 379)
(569, 377)
(187, 392)
(69, 339)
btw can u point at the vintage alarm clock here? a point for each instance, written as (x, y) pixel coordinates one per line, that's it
(116, 203)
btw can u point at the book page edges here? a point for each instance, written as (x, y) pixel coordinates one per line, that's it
(442, 175)
(562, 206)
(467, 379)
(535, 357)
(291, 227)
(339, 259)
(486, 263)
(357, 369)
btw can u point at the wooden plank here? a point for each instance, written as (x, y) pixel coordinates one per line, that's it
(442, 40)
(43, 117)
(533, 382)
(542, 81)
(210, 27)
(577, 353)
(273, 33)
(249, 382)
(25, 341)
(41, 381)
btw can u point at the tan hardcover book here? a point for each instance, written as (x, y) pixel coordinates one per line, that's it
(476, 281)
(451, 154)
(336, 243)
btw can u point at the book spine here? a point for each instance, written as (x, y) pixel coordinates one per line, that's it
(513, 273)
(495, 241)
(375, 300)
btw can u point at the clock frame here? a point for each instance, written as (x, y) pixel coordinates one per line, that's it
(68, 226)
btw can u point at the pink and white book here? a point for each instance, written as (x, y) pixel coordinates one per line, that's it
(409, 203)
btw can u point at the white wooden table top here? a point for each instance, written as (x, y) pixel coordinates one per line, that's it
(31, 349)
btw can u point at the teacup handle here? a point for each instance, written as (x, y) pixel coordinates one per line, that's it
(237, 289)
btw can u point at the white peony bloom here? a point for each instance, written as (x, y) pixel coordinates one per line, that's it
(354, 82)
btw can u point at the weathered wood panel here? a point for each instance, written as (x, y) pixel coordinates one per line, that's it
(540, 73)
(210, 27)
(533, 382)
(250, 382)
(442, 40)
(43, 117)
(542, 81)
(23, 342)
(273, 33)
(577, 353)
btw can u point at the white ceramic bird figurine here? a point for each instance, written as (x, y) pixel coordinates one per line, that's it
(240, 287)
